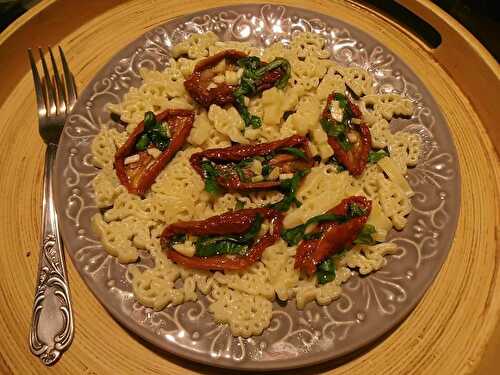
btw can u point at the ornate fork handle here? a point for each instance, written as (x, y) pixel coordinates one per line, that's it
(52, 320)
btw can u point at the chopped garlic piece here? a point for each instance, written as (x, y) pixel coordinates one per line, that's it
(336, 112)
(187, 248)
(219, 78)
(220, 67)
(286, 176)
(258, 178)
(274, 174)
(154, 152)
(132, 159)
(232, 77)
(256, 166)
(211, 86)
(352, 137)
(356, 121)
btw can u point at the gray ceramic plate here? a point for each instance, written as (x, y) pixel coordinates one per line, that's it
(370, 306)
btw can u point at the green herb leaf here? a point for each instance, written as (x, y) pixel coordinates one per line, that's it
(220, 245)
(344, 142)
(253, 71)
(365, 236)
(210, 174)
(178, 238)
(154, 132)
(342, 99)
(290, 187)
(328, 127)
(294, 151)
(375, 156)
(207, 248)
(149, 120)
(249, 120)
(266, 169)
(326, 271)
(355, 211)
(294, 235)
(142, 143)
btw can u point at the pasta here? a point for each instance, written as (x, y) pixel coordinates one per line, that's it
(130, 225)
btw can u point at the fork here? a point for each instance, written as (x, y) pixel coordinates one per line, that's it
(52, 320)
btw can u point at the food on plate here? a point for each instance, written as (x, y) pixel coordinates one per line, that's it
(152, 144)
(283, 199)
(273, 165)
(231, 241)
(348, 136)
(336, 231)
(229, 76)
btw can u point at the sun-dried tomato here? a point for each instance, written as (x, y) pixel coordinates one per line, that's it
(333, 236)
(137, 177)
(236, 222)
(354, 157)
(226, 158)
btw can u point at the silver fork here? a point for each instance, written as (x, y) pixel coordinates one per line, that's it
(52, 319)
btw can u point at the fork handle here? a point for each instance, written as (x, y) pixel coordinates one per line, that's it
(52, 320)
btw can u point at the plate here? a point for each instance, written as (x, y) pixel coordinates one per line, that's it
(369, 307)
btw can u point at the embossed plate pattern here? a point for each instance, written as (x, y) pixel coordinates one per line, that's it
(369, 307)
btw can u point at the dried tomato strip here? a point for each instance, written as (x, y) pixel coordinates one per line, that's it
(240, 152)
(180, 122)
(236, 222)
(334, 236)
(197, 84)
(355, 158)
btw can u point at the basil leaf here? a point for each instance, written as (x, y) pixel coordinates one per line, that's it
(210, 174)
(249, 120)
(207, 248)
(252, 232)
(375, 156)
(365, 236)
(154, 132)
(337, 130)
(290, 186)
(149, 120)
(342, 99)
(326, 271)
(294, 235)
(178, 238)
(251, 63)
(354, 210)
(344, 142)
(142, 143)
(227, 245)
(294, 151)
(266, 169)
(253, 71)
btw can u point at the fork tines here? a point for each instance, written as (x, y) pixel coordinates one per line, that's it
(55, 95)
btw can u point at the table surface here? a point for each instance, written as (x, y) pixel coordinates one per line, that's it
(452, 330)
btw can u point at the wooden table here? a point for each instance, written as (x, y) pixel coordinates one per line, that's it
(452, 331)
